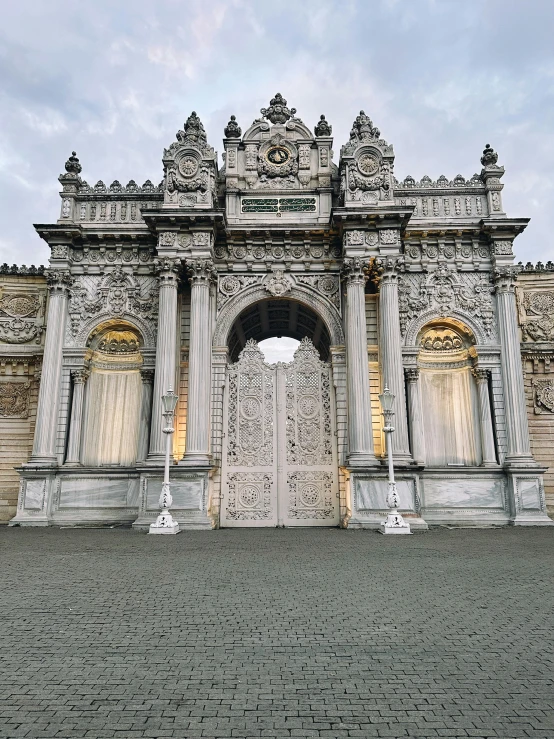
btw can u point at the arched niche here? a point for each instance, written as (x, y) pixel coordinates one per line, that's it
(113, 395)
(450, 402)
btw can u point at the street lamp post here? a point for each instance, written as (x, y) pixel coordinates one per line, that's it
(394, 523)
(165, 523)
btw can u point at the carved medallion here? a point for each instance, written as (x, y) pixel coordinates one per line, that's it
(544, 396)
(14, 399)
(277, 155)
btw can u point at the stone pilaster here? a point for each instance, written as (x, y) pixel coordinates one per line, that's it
(415, 415)
(518, 444)
(166, 352)
(147, 376)
(485, 418)
(390, 352)
(79, 378)
(360, 436)
(197, 448)
(44, 447)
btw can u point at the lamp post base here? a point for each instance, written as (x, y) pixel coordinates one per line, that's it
(394, 524)
(165, 524)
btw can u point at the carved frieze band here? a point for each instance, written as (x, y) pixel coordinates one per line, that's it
(277, 284)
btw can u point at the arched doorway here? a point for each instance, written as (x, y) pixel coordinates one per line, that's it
(279, 452)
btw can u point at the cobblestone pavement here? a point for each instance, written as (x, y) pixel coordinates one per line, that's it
(276, 633)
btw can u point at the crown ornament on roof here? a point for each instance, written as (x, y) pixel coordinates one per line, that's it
(490, 157)
(278, 111)
(232, 130)
(73, 165)
(194, 131)
(363, 129)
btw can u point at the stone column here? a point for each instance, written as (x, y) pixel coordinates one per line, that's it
(44, 445)
(147, 376)
(519, 449)
(166, 353)
(360, 432)
(415, 415)
(390, 353)
(485, 418)
(197, 449)
(79, 378)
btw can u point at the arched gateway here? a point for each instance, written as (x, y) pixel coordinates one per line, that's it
(405, 284)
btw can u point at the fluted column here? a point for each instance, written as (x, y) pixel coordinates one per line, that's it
(147, 376)
(79, 378)
(197, 449)
(485, 417)
(44, 445)
(390, 353)
(166, 351)
(360, 432)
(519, 449)
(415, 415)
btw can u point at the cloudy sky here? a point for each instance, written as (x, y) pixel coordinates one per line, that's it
(116, 80)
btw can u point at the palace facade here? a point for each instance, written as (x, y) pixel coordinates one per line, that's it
(409, 284)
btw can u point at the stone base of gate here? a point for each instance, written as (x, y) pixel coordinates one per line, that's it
(367, 499)
(189, 490)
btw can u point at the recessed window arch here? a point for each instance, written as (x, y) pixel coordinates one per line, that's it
(113, 395)
(450, 403)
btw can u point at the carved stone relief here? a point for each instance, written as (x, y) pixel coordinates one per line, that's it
(537, 317)
(444, 291)
(14, 399)
(544, 395)
(115, 294)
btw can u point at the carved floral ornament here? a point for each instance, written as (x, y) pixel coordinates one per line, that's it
(117, 293)
(544, 395)
(443, 292)
(538, 324)
(14, 399)
(278, 284)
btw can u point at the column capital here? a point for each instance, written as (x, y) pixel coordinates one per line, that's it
(504, 278)
(412, 374)
(147, 375)
(387, 268)
(355, 270)
(58, 281)
(167, 269)
(80, 376)
(480, 374)
(201, 271)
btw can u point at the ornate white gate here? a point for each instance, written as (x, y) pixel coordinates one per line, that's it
(279, 465)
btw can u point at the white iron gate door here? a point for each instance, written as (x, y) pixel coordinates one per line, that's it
(279, 464)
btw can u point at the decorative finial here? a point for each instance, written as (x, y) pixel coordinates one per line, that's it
(323, 128)
(490, 157)
(73, 165)
(194, 130)
(278, 111)
(232, 130)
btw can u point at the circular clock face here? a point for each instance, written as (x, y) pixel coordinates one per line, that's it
(278, 155)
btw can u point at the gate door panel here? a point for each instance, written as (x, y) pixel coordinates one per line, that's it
(279, 465)
(249, 454)
(308, 492)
